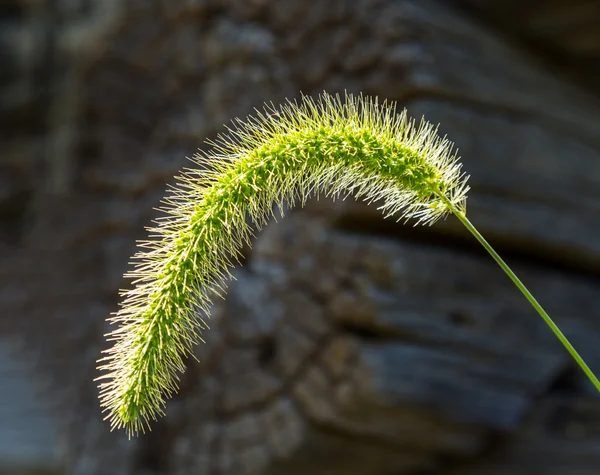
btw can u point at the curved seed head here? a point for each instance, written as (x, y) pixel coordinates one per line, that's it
(281, 156)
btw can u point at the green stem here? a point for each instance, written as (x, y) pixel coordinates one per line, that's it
(530, 298)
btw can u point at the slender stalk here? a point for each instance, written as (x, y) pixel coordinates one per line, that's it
(534, 303)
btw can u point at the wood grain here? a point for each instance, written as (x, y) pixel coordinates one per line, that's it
(347, 344)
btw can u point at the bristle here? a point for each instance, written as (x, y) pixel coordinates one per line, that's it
(279, 156)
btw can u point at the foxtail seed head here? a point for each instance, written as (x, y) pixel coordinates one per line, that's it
(350, 146)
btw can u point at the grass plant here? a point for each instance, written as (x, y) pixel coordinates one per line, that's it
(282, 156)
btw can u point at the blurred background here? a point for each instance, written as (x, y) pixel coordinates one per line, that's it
(348, 344)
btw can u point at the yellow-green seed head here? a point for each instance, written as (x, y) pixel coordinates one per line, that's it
(350, 146)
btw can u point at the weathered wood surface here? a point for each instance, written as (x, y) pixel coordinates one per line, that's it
(348, 345)
(27, 431)
(564, 32)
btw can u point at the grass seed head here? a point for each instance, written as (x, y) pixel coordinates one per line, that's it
(277, 158)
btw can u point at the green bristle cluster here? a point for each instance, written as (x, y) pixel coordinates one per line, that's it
(282, 156)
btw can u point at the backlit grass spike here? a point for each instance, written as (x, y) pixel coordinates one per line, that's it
(280, 157)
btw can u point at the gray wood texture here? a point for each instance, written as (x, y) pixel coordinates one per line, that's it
(28, 438)
(348, 344)
(563, 32)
